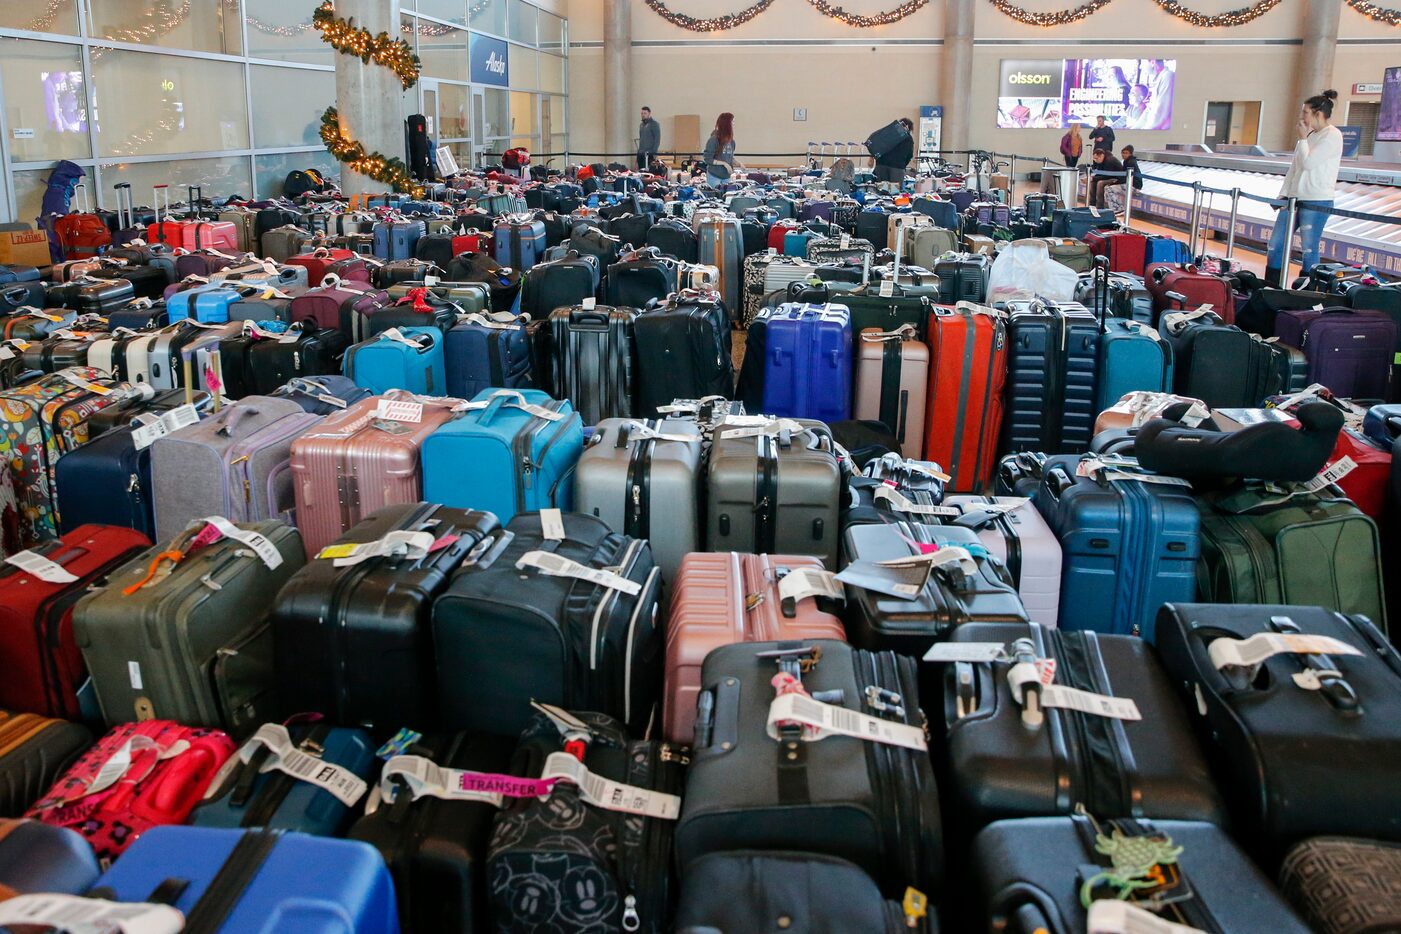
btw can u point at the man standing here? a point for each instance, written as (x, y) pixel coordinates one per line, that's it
(1102, 135)
(649, 139)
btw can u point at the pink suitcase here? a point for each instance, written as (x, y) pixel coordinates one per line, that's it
(1022, 541)
(353, 464)
(903, 359)
(708, 609)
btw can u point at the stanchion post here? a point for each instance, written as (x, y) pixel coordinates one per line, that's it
(1231, 232)
(1128, 198)
(1290, 207)
(1195, 223)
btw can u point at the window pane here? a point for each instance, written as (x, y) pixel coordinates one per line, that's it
(523, 68)
(45, 106)
(155, 104)
(282, 30)
(551, 72)
(271, 171)
(522, 26)
(489, 16)
(496, 115)
(523, 108)
(553, 118)
(210, 26)
(558, 144)
(29, 194)
(443, 50)
(218, 178)
(550, 32)
(288, 103)
(59, 16)
(453, 111)
(454, 11)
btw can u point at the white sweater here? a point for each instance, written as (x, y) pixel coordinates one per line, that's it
(1314, 172)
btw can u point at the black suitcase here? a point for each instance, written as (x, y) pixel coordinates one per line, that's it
(963, 278)
(138, 318)
(639, 278)
(1295, 762)
(872, 803)
(631, 229)
(1050, 390)
(55, 354)
(594, 242)
(559, 284)
(148, 402)
(556, 226)
(1007, 767)
(354, 642)
(1030, 874)
(594, 361)
(503, 283)
(1258, 314)
(557, 640)
(146, 281)
(436, 848)
(21, 286)
(406, 313)
(683, 351)
(754, 235)
(435, 248)
(90, 296)
(404, 270)
(313, 352)
(674, 237)
(1219, 363)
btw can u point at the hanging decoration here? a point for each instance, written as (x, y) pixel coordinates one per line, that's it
(349, 39)
(1229, 18)
(714, 24)
(1379, 13)
(389, 170)
(866, 22)
(1059, 18)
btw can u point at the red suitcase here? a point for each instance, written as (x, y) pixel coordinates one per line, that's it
(779, 230)
(1366, 485)
(1127, 251)
(42, 665)
(81, 235)
(967, 370)
(324, 261)
(720, 598)
(478, 241)
(1197, 287)
(194, 232)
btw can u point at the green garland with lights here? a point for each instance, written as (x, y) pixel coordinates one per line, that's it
(861, 21)
(1379, 13)
(1216, 21)
(713, 24)
(383, 49)
(390, 170)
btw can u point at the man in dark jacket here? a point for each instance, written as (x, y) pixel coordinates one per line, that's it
(891, 164)
(649, 139)
(1107, 171)
(1102, 135)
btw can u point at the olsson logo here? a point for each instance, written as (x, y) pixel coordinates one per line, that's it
(495, 64)
(1020, 78)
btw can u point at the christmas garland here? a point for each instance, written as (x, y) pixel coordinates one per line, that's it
(387, 169)
(866, 22)
(1379, 13)
(1059, 18)
(383, 49)
(715, 24)
(1229, 18)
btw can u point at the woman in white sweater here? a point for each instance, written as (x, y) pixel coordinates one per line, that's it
(1312, 178)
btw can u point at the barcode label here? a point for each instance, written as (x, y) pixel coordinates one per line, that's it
(260, 544)
(43, 568)
(1098, 705)
(608, 794)
(78, 915)
(345, 786)
(828, 718)
(1247, 653)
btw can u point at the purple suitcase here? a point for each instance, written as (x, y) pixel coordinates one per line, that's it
(807, 362)
(816, 209)
(1348, 351)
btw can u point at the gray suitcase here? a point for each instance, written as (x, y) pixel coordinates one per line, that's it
(235, 464)
(191, 644)
(774, 493)
(282, 243)
(643, 486)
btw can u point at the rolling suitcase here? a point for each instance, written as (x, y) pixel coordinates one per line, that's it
(561, 283)
(962, 278)
(344, 305)
(1164, 249)
(1075, 223)
(519, 241)
(675, 238)
(1200, 289)
(807, 362)
(1342, 885)
(34, 751)
(487, 350)
(594, 360)
(892, 380)
(396, 239)
(1348, 351)
(1051, 391)
(639, 277)
(36, 858)
(720, 243)
(1260, 312)
(1015, 534)
(574, 638)
(1070, 253)
(1018, 750)
(303, 350)
(1125, 250)
(1219, 363)
(321, 395)
(968, 369)
(410, 359)
(683, 350)
(1131, 357)
(106, 481)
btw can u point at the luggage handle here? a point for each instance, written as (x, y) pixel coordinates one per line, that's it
(126, 211)
(1100, 280)
(157, 192)
(236, 415)
(486, 551)
(1058, 481)
(1331, 683)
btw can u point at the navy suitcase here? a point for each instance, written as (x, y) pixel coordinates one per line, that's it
(519, 242)
(395, 240)
(400, 358)
(1050, 394)
(1076, 222)
(106, 481)
(39, 858)
(944, 213)
(487, 350)
(322, 395)
(807, 362)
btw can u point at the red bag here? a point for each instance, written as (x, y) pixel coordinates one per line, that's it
(323, 260)
(1127, 251)
(81, 235)
(43, 666)
(1197, 287)
(1366, 484)
(193, 233)
(479, 241)
(779, 230)
(967, 370)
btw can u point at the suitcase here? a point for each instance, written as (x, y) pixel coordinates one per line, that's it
(872, 803)
(1075, 223)
(1030, 873)
(638, 279)
(260, 881)
(207, 304)
(560, 283)
(304, 350)
(683, 350)
(1200, 290)
(1260, 312)
(1295, 762)
(403, 270)
(1129, 545)
(494, 285)
(20, 287)
(436, 848)
(806, 362)
(968, 368)
(1125, 250)
(34, 752)
(146, 281)
(174, 646)
(484, 351)
(154, 789)
(1072, 254)
(675, 238)
(519, 242)
(397, 239)
(1343, 885)
(1128, 298)
(321, 262)
(1021, 540)
(924, 245)
(85, 296)
(1219, 363)
(720, 243)
(1313, 549)
(771, 493)
(594, 360)
(892, 380)
(943, 212)
(962, 278)
(1131, 357)
(106, 481)
(399, 358)
(195, 231)
(280, 244)
(38, 859)
(1051, 384)
(1013, 756)
(344, 305)
(1348, 351)
(418, 309)
(321, 395)
(560, 640)
(1164, 249)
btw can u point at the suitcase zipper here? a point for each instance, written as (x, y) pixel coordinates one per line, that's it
(887, 781)
(610, 595)
(645, 904)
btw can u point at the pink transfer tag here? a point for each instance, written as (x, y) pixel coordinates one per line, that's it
(506, 785)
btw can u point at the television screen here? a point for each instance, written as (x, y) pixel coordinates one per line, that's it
(1389, 119)
(1130, 93)
(64, 103)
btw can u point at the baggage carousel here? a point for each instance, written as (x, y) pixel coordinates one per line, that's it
(1366, 188)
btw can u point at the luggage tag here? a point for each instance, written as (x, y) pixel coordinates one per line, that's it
(498, 321)
(405, 411)
(800, 583)
(637, 431)
(555, 565)
(77, 379)
(1250, 652)
(75, 914)
(342, 784)
(260, 543)
(821, 720)
(552, 524)
(754, 426)
(885, 493)
(1115, 916)
(316, 391)
(36, 565)
(608, 794)
(168, 422)
(1111, 467)
(1326, 478)
(1028, 671)
(421, 777)
(399, 544)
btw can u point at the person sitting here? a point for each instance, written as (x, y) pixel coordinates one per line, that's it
(1107, 171)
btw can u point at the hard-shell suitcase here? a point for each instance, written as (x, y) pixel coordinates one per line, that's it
(873, 803)
(1296, 761)
(1013, 756)
(720, 243)
(1127, 298)
(1343, 885)
(1015, 534)
(643, 478)
(807, 362)
(1051, 391)
(774, 492)
(36, 858)
(892, 384)
(34, 751)
(399, 358)
(519, 242)
(1219, 363)
(397, 239)
(237, 880)
(1129, 545)
(20, 287)
(561, 639)
(512, 451)
(594, 360)
(355, 462)
(303, 350)
(354, 642)
(968, 369)
(175, 645)
(1030, 874)
(1131, 357)
(1164, 249)
(87, 295)
(168, 767)
(1348, 351)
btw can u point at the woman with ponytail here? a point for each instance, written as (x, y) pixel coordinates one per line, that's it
(1312, 178)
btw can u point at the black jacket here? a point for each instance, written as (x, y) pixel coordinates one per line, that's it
(900, 156)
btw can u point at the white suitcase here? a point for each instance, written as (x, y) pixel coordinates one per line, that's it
(1023, 541)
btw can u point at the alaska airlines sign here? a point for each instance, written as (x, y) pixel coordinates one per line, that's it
(491, 60)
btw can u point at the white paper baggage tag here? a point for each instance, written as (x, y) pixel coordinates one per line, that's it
(344, 785)
(965, 652)
(1098, 705)
(558, 566)
(510, 323)
(829, 720)
(608, 794)
(41, 567)
(424, 778)
(1115, 916)
(742, 421)
(1311, 393)
(801, 583)
(640, 432)
(82, 382)
(589, 304)
(516, 400)
(1000, 506)
(1110, 468)
(171, 421)
(552, 524)
(6, 352)
(74, 914)
(1247, 653)
(901, 503)
(394, 334)
(950, 554)
(260, 544)
(399, 410)
(769, 426)
(1330, 474)
(887, 288)
(399, 543)
(906, 332)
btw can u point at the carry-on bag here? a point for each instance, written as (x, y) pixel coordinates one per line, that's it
(1051, 378)
(1348, 351)
(34, 751)
(410, 359)
(594, 360)
(1199, 289)
(1015, 534)
(683, 350)
(892, 380)
(1217, 362)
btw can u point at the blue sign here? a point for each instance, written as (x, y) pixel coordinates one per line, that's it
(1352, 141)
(927, 110)
(490, 60)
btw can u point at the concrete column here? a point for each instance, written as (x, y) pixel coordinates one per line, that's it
(368, 96)
(956, 71)
(617, 79)
(1316, 54)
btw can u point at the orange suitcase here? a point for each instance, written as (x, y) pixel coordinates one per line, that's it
(967, 370)
(892, 382)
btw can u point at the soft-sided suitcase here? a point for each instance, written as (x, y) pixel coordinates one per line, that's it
(1072, 254)
(1075, 223)
(38, 859)
(1013, 755)
(303, 350)
(1031, 872)
(321, 395)
(399, 358)
(807, 362)
(34, 751)
(250, 880)
(1219, 363)
(773, 490)
(1200, 289)
(38, 588)
(562, 283)
(168, 767)
(1051, 392)
(1129, 545)
(486, 350)
(1125, 250)
(1348, 351)
(594, 363)
(107, 481)
(873, 803)
(1015, 534)
(1163, 249)
(1306, 744)
(683, 350)
(573, 638)
(968, 369)
(1343, 885)
(354, 641)
(892, 384)
(179, 631)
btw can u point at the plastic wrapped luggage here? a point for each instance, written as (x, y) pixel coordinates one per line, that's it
(34, 752)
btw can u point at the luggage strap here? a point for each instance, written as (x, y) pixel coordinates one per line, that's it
(230, 882)
(1103, 773)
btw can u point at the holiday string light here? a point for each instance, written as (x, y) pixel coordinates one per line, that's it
(1059, 18)
(345, 37)
(1379, 13)
(866, 22)
(1229, 18)
(386, 169)
(714, 24)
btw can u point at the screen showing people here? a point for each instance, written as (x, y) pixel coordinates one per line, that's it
(1130, 93)
(1389, 119)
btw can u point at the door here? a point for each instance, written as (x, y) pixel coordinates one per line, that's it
(430, 107)
(1218, 123)
(1364, 114)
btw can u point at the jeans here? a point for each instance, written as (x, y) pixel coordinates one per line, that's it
(1097, 187)
(715, 182)
(1072, 161)
(1310, 226)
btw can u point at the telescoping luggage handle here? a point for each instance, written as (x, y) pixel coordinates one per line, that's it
(1239, 660)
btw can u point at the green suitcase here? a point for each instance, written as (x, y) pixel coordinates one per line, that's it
(471, 297)
(870, 309)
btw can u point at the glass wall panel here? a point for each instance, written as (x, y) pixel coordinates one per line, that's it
(281, 30)
(288, 103)
(59, 16)
(443, 50)
(207, 26)
(554, 116)
(155, 104)
(218, 177)
(496, 114)
(522, 22)
(454, 11)
(551, 73)
(551, 32)
(29, 195)
(488, 16)
(454, 111)
(271, 171)
(523, 74)
(45, 105)
(523, 113)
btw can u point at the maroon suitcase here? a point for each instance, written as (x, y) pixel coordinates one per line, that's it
(344, 305)
(1199, 288)
(1127, 251)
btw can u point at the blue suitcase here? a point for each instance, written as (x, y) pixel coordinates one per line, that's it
(1132, 357)
(807, 362)
(1050, 394)
(1162, 249)
(479, 352)
(519, 243)
(267, 882)
(1128, 546)
(207, 304)
(397, 239)
(795, 242)
(502, 459)
(322, 395)
(421, 207)
(1076, 222)
(106, 481)
(944, 213)
(241, 795)
(399, 358)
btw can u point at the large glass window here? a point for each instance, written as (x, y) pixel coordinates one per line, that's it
(45, 103)
(29, 194)
(522, 22)
(443, 50)
(551, 32)
(269, 172)
(208, 26)
(454, 111)
(454, 11)
(551, 73)
(523, 68)
(281, 30)
(496, 114)
(59, 16)
(154, 104)
(554, 116)
(217, 177)
(488, 16)
(523, 114)
(288, 103)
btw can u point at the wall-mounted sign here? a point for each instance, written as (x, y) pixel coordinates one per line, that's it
(1367, 88)
(490, 59)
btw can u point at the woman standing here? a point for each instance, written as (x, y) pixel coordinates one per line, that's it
(719, 155)
(1312, 178)
(1072, 144)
